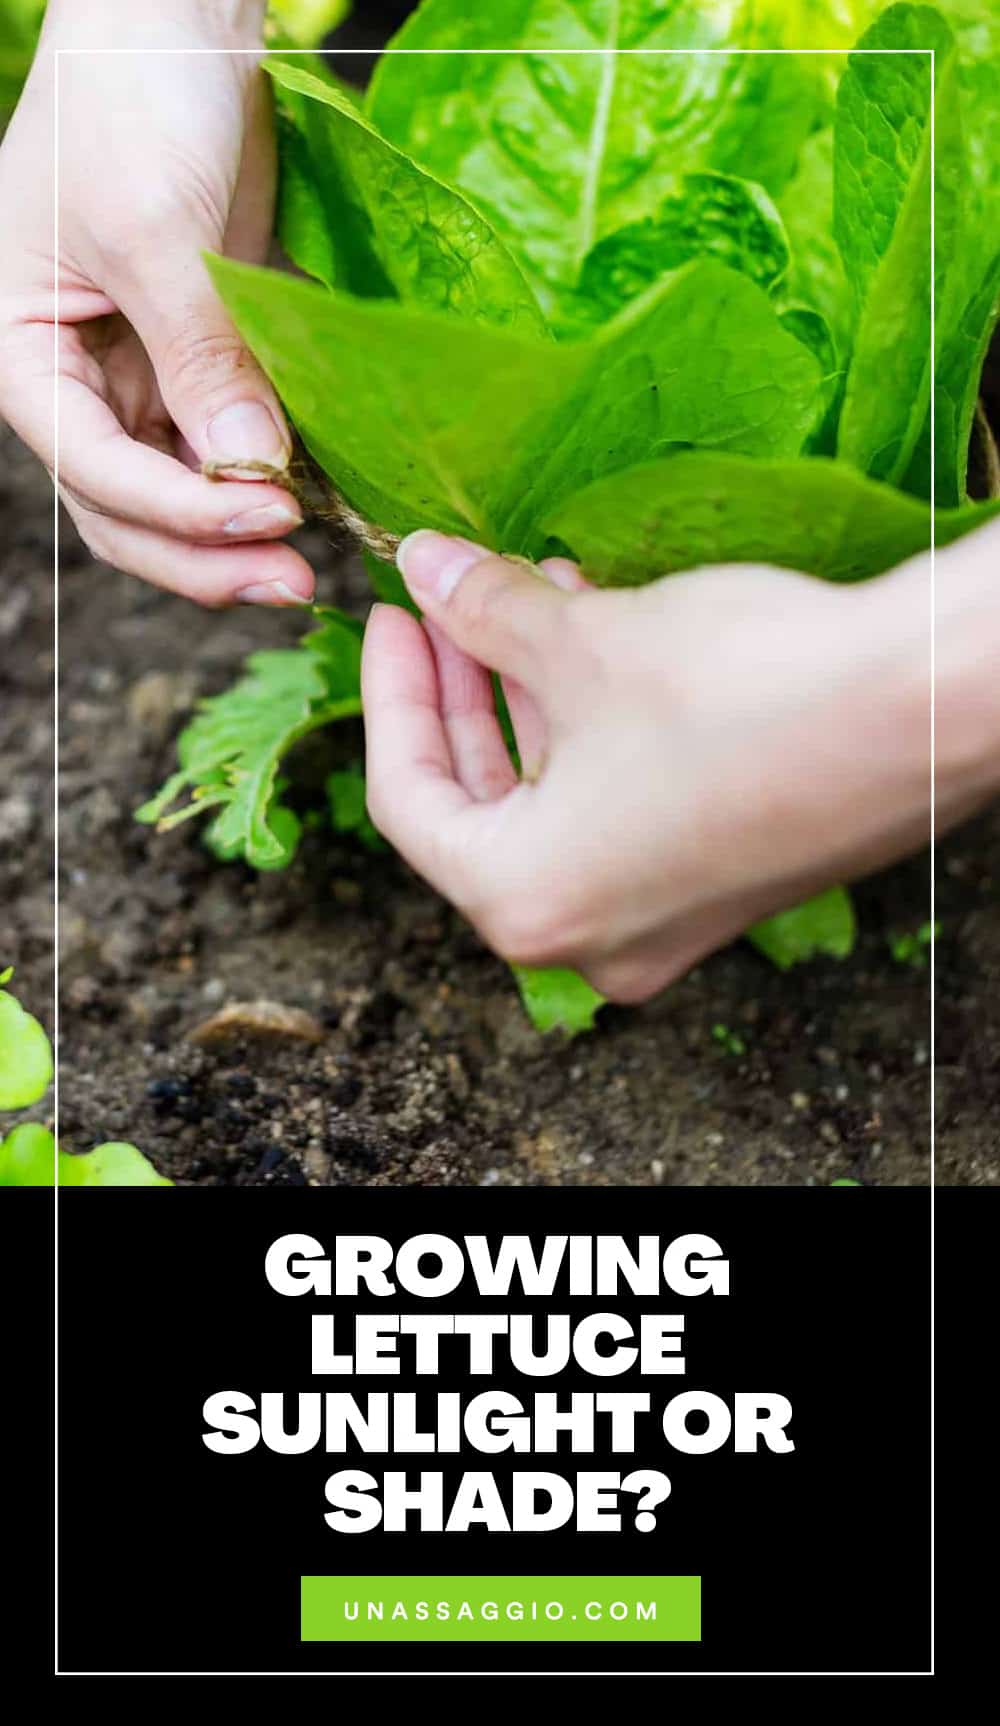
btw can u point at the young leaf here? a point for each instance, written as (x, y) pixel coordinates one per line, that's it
(21, 22)
(364, 217)
(704, 215)
(25, 1054)
(28, 1158)
(345, 792)
(305, 22)
(967, 317)
(825, 925)
(897, 128)
(701, 359)
(418, 417)
(816, 271)
(702, 507)
(558, 1000)
(559, 150)
(110, 1165)
(230, 753)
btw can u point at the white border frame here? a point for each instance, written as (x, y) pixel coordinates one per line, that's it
(57, 56)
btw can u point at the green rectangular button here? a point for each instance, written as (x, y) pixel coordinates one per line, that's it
(501, 1608)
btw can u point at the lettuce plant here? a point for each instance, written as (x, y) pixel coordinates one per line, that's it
(624, 292)
(28, 1155)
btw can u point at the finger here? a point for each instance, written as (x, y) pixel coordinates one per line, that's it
(468, 712)
(259, 574)
(211, 385)
(562, 572)
(113, 474)
(414, 797)
(500, 612)
(527, 722)
(109, 472)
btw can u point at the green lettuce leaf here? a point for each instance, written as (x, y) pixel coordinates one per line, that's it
(20, 22)
(816, 271)
(895, 110)
(560, 150)
(968, 314)
(28, 1158)
(825, 925)
(417, 417)
(110, 1165)
(304, 22)
(701, 359)
(557, 999)
(230, 753)
(700, 507)
(360, 215)
(25, 1053)
(704, 215)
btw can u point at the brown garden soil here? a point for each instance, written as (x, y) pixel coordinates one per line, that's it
(428, 1072)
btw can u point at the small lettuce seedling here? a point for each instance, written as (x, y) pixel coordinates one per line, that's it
(28, 1155)
(651, 309)
(25, 1053)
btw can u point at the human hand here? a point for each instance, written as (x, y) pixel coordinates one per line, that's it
(698, 754)
(163, 153)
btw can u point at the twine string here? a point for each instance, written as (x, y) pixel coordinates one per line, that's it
(315, 495)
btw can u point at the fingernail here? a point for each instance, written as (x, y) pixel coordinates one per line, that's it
(433, 564)
(266, 519)
(248, 431)
(271, 593)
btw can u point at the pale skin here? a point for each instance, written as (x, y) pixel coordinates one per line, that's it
(162, 157)
(696, 755)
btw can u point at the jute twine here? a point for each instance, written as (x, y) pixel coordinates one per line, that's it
(305, 481)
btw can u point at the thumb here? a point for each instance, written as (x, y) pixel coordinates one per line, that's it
(499, 610)
(212, 387)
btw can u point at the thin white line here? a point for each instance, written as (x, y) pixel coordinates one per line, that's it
(525, 48)
(484, 1672)
(933, 963)
(55, 857)
(365, 1672)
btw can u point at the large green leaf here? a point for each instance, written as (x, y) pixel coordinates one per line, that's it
(698, 507)
(359, 214)
(230, 753)
(418, 417)
(703, 215)
(20, 22)
(561, 149)
(816, 271)
(898, 140)
(701, 359)
(968, 315)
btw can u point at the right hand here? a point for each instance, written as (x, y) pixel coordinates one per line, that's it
(162, 155)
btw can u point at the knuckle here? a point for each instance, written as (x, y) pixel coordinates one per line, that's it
(198, 359)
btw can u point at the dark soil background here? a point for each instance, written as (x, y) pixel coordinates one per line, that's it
(426, 1070)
